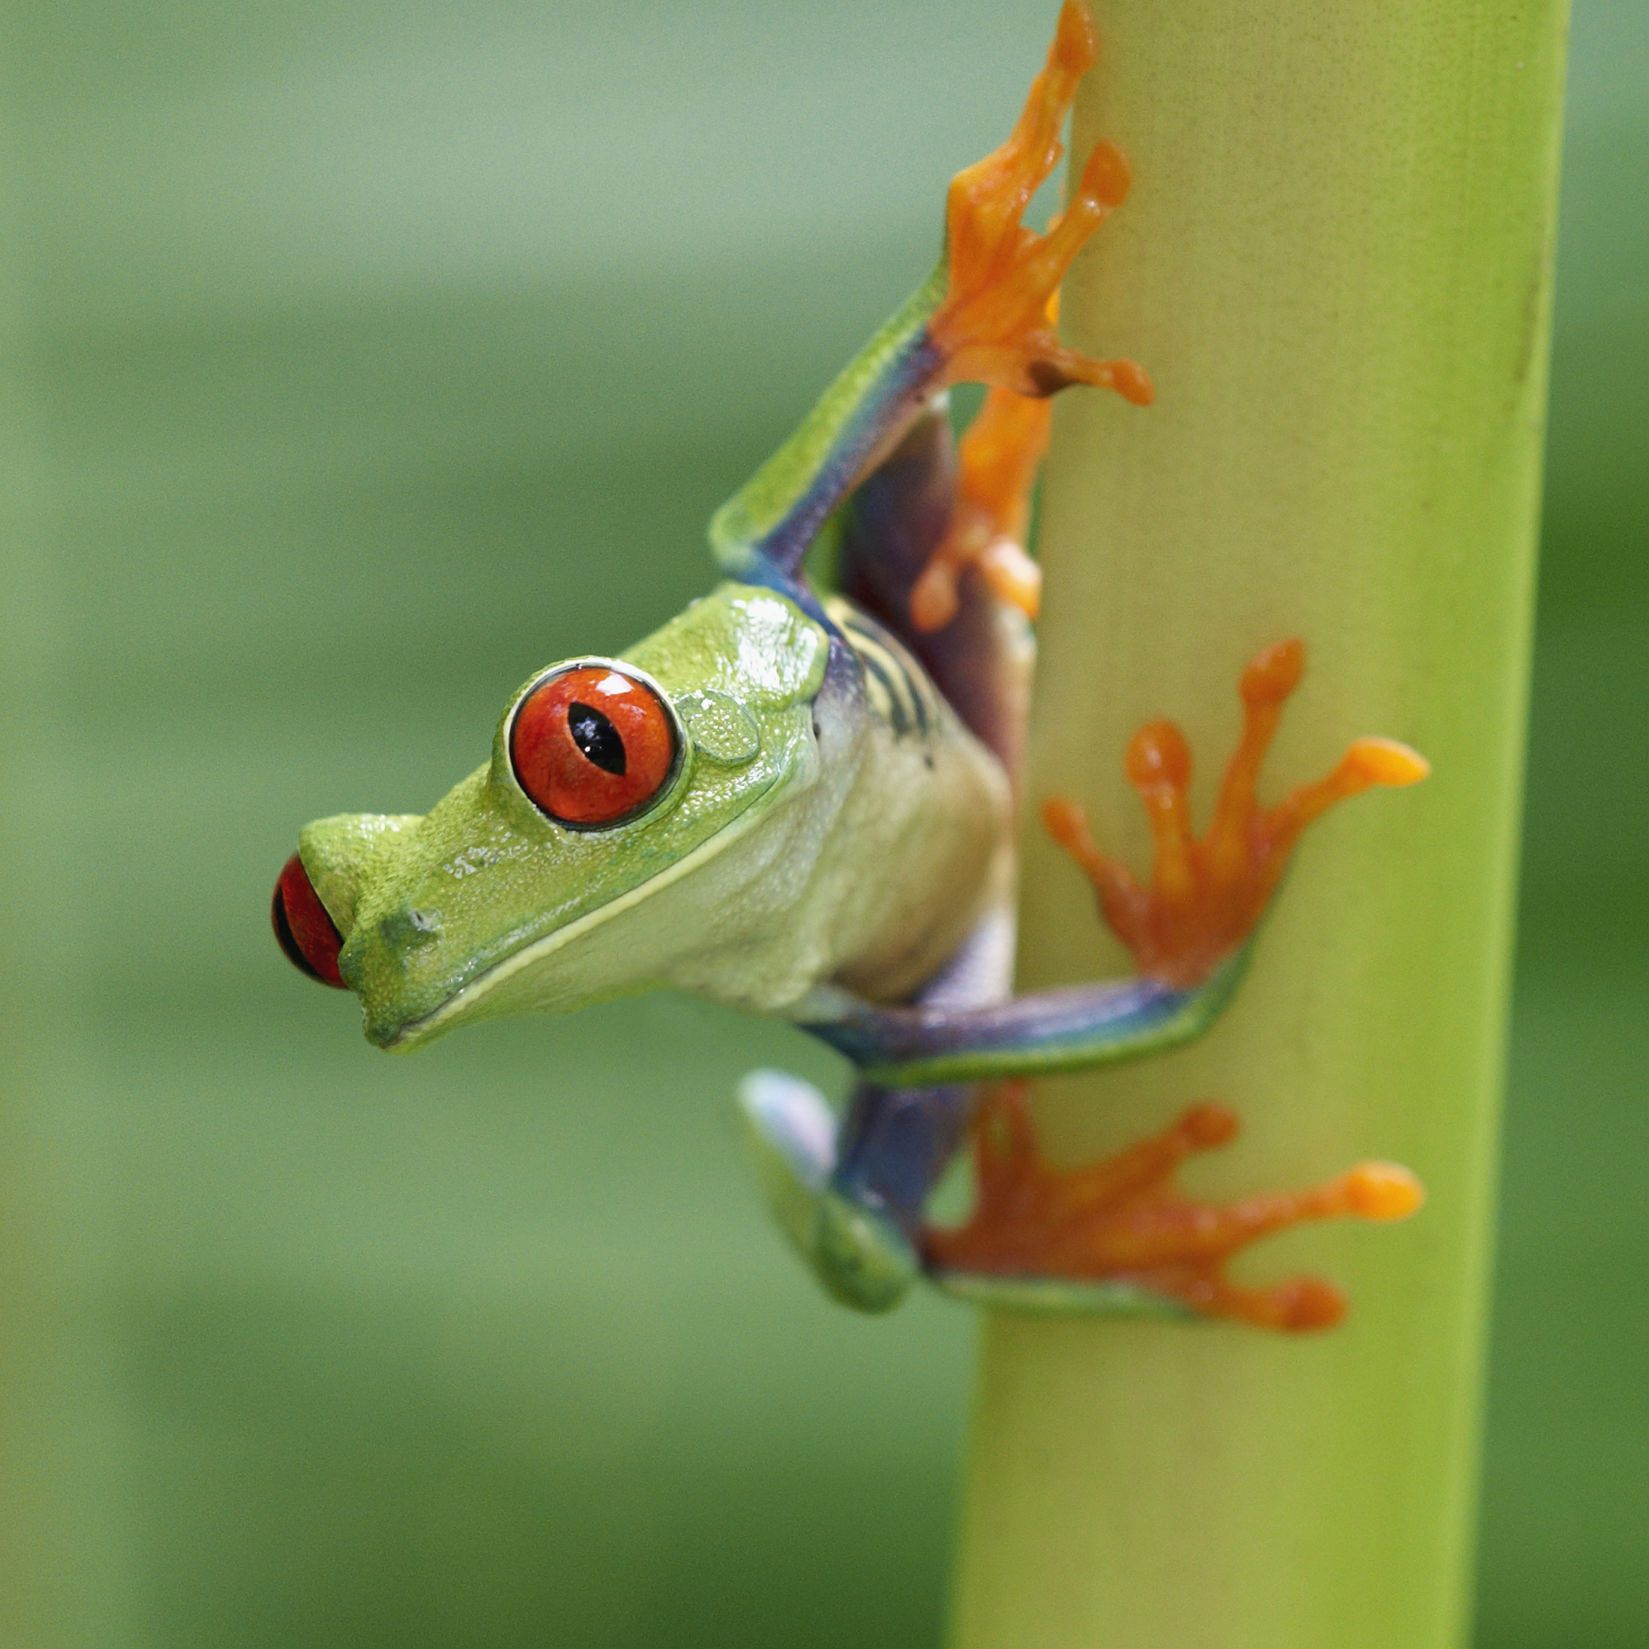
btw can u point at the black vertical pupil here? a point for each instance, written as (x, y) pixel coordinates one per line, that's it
(596, 737)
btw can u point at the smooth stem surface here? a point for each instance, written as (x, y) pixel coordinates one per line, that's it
(1336, 265)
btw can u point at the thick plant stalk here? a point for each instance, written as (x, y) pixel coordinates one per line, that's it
(1336, 265)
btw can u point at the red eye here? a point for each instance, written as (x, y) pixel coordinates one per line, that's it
(307, 934)
(593, 746)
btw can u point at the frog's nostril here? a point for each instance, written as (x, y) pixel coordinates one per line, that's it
(406, 929)
(306, 932)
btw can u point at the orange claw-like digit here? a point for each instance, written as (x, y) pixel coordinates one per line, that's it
(1206, 894)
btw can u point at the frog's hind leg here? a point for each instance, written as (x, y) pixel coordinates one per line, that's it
(848, 1193)
(1118, 1237)
(933, 546)
(1000, 454)
(899, 524)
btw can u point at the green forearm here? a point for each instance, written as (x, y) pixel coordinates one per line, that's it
(1058, 1030)
(776, 514)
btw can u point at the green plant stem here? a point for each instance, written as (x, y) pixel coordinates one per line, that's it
(1336, 263)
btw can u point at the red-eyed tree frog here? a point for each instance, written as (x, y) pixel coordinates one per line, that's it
(802, 804)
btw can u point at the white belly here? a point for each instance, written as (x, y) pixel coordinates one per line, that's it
(872, 876)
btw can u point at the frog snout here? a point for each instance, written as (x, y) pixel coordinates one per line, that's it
(303, 926)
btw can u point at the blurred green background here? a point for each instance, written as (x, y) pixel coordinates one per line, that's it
(357, 361)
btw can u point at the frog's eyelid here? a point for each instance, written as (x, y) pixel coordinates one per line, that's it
(719, 726)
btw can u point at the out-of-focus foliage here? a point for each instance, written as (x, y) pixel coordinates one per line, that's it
(360, 360)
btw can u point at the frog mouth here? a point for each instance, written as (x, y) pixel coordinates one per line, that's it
(397, 1036)
(402, 1035)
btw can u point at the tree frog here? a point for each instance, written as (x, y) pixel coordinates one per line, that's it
(802, 804)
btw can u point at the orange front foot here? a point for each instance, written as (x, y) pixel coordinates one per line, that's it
(994, 325)
(1207, 894)
(1120, 1225)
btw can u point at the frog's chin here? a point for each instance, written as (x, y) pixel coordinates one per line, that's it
(520, 981)
(404, 1035)
(480, 999)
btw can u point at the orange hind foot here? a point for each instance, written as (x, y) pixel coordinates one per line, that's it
(994, 325)
(1122, 1227)
(996, 464)
(1207, 894)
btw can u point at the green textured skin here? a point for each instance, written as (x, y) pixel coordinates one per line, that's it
(499, 877)
(793, 847)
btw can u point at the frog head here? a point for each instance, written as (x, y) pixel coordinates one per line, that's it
(581, 861)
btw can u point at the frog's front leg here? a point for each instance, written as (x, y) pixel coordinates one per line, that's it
(1190, 927)
(982, 316)
(849, 1193)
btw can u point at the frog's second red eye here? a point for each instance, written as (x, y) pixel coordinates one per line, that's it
(593, 745)
(307, 933)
